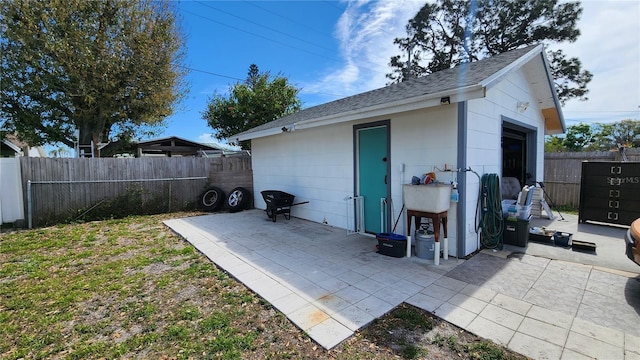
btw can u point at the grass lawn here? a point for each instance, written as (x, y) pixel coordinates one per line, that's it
(130, 288)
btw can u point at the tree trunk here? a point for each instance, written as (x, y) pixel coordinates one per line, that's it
(96, 143)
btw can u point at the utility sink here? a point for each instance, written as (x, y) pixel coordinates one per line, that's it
(434, 198)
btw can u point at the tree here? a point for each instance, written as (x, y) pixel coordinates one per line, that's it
(59, 151)
(596, 137)
(99, 67)
(553, 143)
(625, 133)
(449, 32)
(258, 100)
(578, 137)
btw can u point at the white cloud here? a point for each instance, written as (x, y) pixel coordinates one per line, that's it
(366, 31)
(212, 89)
(208, 138)
(609, 47)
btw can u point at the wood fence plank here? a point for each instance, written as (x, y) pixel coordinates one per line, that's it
(563, 171)
(84, 182)
(562, 175)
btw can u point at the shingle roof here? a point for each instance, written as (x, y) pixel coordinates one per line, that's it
(442, 81)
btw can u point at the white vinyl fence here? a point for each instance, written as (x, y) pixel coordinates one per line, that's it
(11, 204)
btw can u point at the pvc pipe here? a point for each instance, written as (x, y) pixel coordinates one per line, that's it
(445, 249)
(29, 207)
(116, 180)
(169, 207)
(408, 246)
(382, 222)
(436, 254)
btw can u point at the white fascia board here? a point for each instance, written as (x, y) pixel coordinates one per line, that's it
(552, 89)
(538, 51)
(259, 134)
(13, 147)
(495, 78)
(416, 103)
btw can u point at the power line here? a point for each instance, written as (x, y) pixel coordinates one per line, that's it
(263, 26)
(211, 73)
(260, 36)
(235, 78)
(289, 19)
(331, 3)
(274, 40)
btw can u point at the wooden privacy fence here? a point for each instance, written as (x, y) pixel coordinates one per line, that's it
(563, 171)
(66, 189)
(63, 188)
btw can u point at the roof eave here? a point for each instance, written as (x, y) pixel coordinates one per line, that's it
(554, 119)
(414, 103)
(259, 134)
(553, 124)
(13, 146)
(557, 116)
(150, 142)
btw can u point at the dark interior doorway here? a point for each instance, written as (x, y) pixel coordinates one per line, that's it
(514, 155)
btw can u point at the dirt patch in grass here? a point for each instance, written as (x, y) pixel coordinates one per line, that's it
(412, 333)
(131, 288)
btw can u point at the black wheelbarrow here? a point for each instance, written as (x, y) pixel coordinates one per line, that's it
(278, 202)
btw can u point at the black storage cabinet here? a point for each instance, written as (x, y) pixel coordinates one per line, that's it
(515, 232)
(610, 192)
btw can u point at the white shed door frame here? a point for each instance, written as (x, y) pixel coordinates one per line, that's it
(374, 186)
(528, 134)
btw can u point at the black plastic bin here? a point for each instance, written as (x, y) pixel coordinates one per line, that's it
(516, 232)
(391, 244)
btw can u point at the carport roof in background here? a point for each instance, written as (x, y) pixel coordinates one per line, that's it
(449, 81)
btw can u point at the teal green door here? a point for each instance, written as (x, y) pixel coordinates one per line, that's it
(372, 176)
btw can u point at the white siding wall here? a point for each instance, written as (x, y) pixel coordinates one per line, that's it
(315, 165)
(318, 164)
(484, 131)
(424, 141)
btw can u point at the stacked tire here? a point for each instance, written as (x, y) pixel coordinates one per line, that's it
(213, 199)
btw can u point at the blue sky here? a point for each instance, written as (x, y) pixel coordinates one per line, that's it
(332, 49)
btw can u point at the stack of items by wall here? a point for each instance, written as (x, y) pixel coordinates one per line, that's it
(517, 214)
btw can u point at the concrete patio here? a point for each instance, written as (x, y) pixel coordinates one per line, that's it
(330, 285)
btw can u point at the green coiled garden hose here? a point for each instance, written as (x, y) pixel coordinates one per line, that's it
(489, 212)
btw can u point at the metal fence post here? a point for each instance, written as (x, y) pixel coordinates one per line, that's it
(29, 214)
(170, 182)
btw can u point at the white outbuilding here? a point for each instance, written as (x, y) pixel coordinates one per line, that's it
(484, 117)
